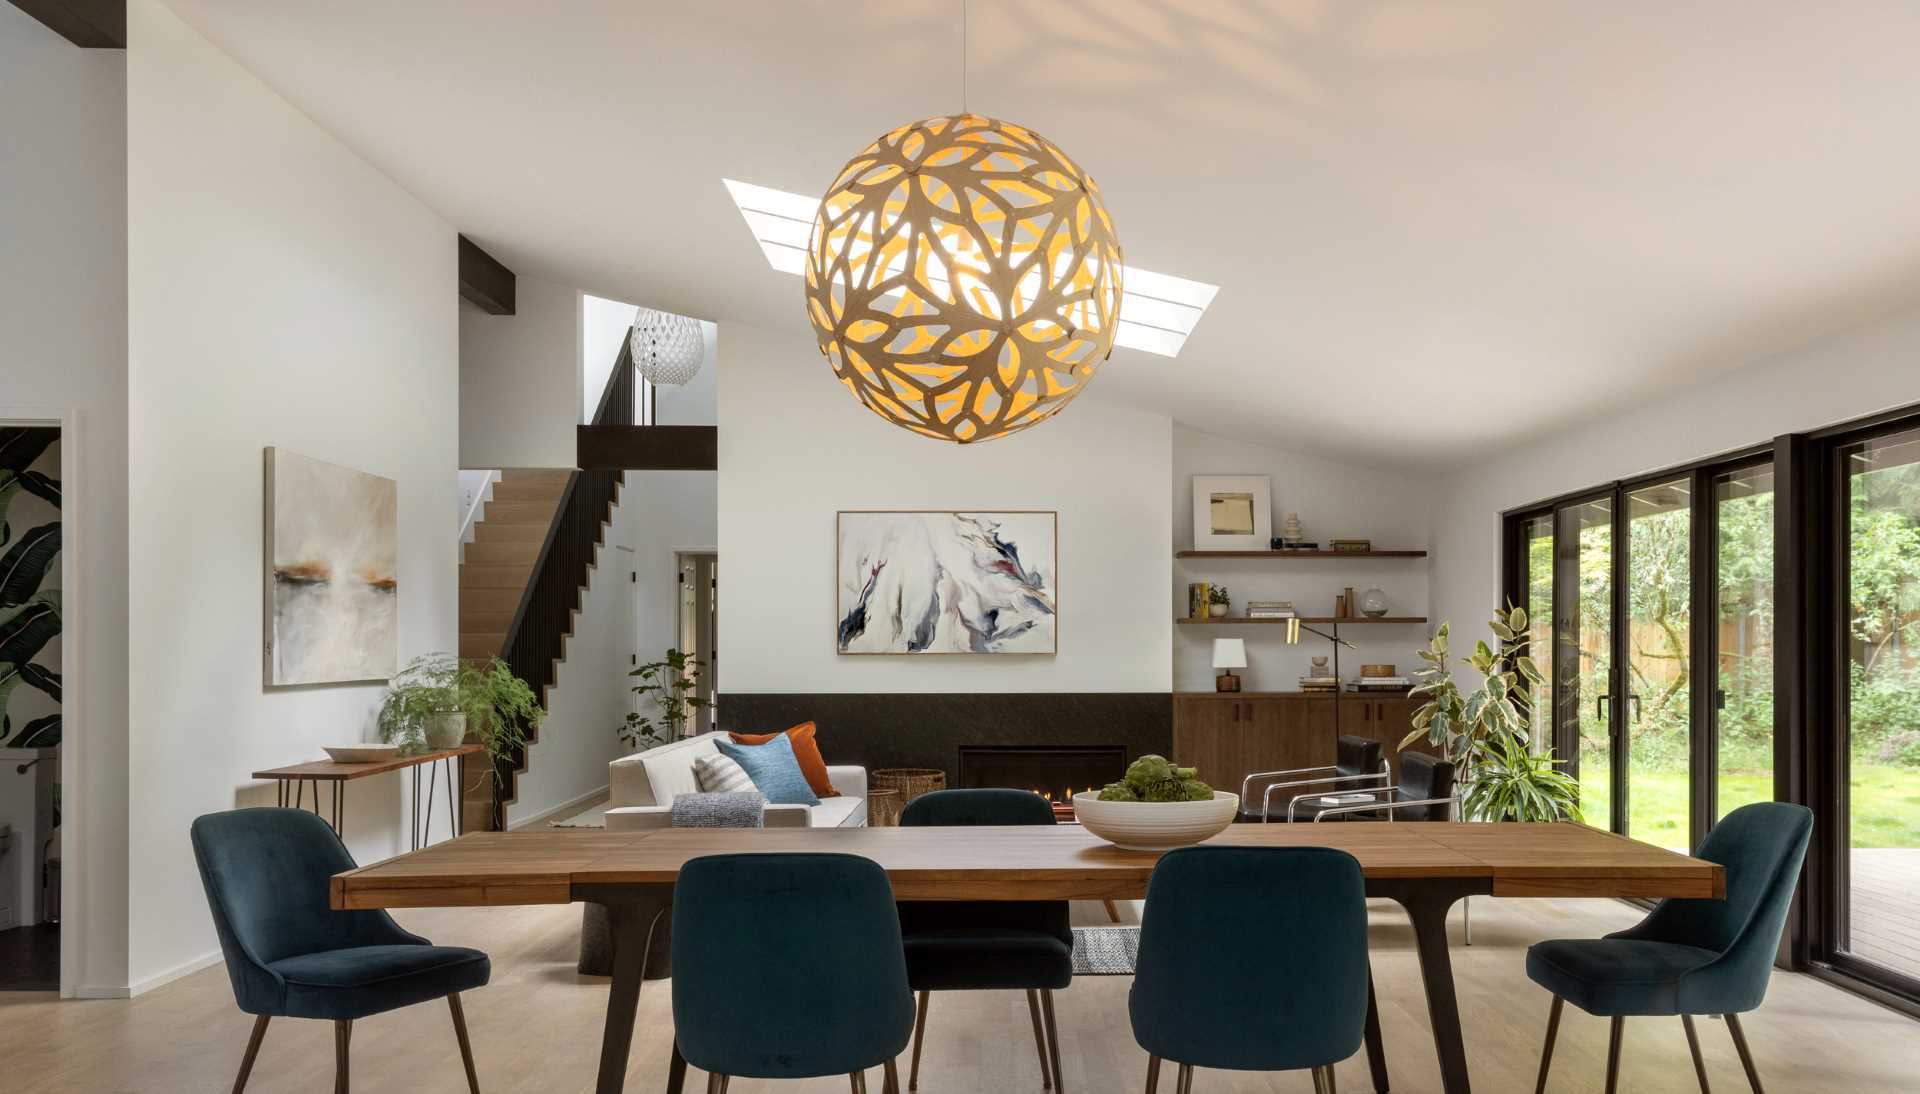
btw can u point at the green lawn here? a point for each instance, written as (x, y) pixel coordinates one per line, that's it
(1886, 804)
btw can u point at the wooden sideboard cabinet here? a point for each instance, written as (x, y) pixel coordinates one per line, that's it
(1228, 736)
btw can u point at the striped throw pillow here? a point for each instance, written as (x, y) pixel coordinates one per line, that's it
(721, 775)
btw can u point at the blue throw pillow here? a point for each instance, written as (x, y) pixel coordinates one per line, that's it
(774, 770)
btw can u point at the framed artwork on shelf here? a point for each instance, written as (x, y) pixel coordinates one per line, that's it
(946, 581)
(1232, 512)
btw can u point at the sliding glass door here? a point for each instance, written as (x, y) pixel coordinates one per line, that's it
(1743, 631)
(1880, 805)
(1650, 581)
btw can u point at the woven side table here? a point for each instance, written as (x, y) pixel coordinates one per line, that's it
(911, 782)
(883, 808)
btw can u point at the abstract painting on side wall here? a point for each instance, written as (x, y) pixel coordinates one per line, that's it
(332, 550)
(947, 582)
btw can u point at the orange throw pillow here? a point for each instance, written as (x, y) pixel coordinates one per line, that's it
(812, 764)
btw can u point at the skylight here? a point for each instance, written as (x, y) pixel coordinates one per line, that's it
(1157, 311)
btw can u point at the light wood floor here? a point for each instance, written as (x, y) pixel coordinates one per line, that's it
(537, 1027)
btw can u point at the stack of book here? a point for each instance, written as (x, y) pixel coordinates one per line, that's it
(1270, 609)
(1382, 683)
(1319, 683)
(1352, 544)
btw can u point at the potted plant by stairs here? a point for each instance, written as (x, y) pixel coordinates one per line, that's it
(668, 684)
(1504, 773)
(439, 701)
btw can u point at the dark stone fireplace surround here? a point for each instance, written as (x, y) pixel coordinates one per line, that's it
(927, 730)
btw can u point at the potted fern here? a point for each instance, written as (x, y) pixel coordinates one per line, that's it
(437, 701)
(1485, 733)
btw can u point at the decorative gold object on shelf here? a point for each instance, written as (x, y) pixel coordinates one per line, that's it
(963, 278)
(1378, 670)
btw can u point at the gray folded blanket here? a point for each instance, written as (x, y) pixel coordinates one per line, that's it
(735, 810)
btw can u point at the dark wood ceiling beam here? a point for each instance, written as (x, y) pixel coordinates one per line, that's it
(484, 282)
(91, 24)
(648, 447)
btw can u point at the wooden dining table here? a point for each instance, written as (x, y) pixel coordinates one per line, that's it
(1425, 867)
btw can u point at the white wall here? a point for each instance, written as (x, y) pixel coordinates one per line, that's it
(795, 448)
(1846, 376)
(520, 381)
(281, 292)
(63, 355)
(1333, 500)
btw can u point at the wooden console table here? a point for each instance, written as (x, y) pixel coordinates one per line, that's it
(294, 779)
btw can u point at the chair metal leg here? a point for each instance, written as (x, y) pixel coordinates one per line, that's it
(466, 1047)
(1613, 1053)
(253, 1050)
(1039, 1038)
(1185, 1085)
(1546, 1051)
(1113, 912)
(919, 1032)
(1693, 1046)
(1053, 1041)
(1319, 1081)
(676, 1071)
(716, 1083)
(1746, 1056)
(1153, 1075)
(342, 1035)
(859, 1081)
(1376, 1045)
(890, 1077)
(1333, 1084)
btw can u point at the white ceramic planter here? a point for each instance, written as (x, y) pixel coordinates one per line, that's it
(1155, 826)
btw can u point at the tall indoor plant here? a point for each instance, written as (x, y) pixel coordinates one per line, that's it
(1485, 733)
(670, 685)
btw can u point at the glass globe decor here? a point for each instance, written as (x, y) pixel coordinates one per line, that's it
(963, 278)
(666, 348)
(1373, 603)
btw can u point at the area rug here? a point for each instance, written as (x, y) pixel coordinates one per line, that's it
(592, 817)
(1105, 951)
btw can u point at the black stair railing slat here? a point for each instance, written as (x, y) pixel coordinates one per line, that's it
(537, 637)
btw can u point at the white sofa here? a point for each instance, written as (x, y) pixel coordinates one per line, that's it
(640, 790)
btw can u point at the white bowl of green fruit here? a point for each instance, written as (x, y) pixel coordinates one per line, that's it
(1156, 807)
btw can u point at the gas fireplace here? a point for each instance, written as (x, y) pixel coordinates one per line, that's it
(1056, 771)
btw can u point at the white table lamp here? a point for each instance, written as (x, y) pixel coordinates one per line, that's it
(1229, 654)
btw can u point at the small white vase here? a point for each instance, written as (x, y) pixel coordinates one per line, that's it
(445, 729)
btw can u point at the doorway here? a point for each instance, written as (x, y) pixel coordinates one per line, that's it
(31, 667)
(699, 626)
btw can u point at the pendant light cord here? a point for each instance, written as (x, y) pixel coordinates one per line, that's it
(963, 56)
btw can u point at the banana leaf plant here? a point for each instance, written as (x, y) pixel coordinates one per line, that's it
(1486, 733)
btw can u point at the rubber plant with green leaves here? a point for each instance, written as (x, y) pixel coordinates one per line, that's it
(500, 708)
(1485, 733)
(670, 684)
(29, 613)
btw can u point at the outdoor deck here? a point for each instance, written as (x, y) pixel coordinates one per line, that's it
(1885, 889)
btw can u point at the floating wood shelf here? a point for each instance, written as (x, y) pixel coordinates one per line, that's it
(1241, 620)
(1410, 552)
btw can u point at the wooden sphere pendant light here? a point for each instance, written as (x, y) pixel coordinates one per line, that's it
(963, 278)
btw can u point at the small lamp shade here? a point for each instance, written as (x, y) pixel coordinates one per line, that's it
(1229, 653)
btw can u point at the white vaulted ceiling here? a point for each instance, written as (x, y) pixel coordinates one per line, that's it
(1437, 228)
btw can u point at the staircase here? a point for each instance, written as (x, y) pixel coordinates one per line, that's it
(522, 578)
(496, 567)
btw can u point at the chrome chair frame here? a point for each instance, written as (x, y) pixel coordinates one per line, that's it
(1466, 903)
(1266, 797)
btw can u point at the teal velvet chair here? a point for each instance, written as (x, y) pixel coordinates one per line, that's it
(1020, 945)
(290, 955)
(1689, 957)
(787, 966)
(1291, 917)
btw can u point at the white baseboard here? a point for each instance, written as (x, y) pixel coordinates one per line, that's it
(185, 968)
(95, 991)
(564, 809)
